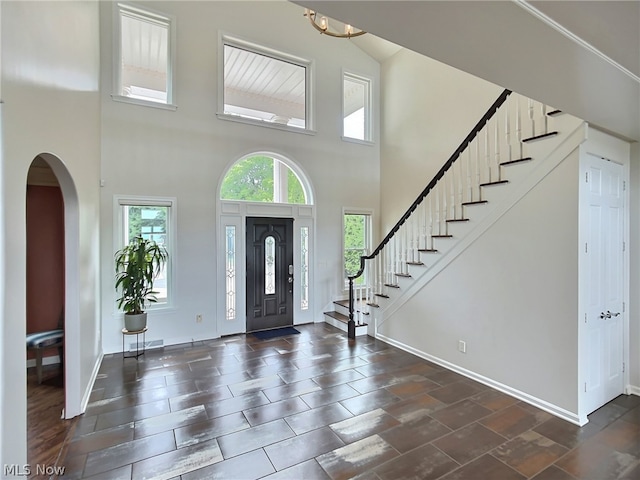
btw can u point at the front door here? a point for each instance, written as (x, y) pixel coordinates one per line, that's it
(604, 249)
(269, 273)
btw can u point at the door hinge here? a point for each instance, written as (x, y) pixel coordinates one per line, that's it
(585, 318)
(624, 307)
(624, 185)
(623, 365)
(586, 248)
(586, 179)
(585, 386)
(624, 246)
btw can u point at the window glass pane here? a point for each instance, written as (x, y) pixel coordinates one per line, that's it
(261, 87)
(262, 179)
(269, 265)
(151, 223)
(356, 108)
(356, 243)
(144, 62)
(230, 272)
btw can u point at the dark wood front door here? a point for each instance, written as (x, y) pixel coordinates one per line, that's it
(269, 273)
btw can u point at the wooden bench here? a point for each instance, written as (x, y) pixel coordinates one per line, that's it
(40, 341)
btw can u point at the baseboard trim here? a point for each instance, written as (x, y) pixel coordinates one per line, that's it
(90, 384)
(632, 390)
(525, 397)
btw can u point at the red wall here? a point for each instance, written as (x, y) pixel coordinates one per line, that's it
(45, 257)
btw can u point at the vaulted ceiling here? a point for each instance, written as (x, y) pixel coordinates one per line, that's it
(581, 56)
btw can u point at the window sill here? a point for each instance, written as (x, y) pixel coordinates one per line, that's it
(144, 103)
(260, 123)
(358, 141)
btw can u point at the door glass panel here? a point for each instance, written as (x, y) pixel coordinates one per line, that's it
(269, 265)
(230, 271)
(304, 268)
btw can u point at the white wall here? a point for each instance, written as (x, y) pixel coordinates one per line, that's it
(51, 105)
(512, 296)
(634, 268)
(428, 108)
(183, 153)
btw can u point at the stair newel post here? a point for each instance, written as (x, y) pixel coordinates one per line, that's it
(351, 326)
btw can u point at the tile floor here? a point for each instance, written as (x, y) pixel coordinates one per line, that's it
(313, 406)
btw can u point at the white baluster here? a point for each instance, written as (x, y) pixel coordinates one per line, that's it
(452, 192)
(460, 163)
(469, 173)
(487, 155)
(532, 119)
(478, 174)
(544, 118)
(497, 147)
(519, 127)
(507, 132)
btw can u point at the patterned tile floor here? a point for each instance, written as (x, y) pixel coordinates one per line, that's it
(313, 406)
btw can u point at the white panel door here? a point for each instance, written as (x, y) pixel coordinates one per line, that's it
(604, 378)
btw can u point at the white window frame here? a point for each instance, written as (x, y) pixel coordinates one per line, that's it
(369, 235)
(120, 201)
(368, 107)
(155, 16)
(308, 65)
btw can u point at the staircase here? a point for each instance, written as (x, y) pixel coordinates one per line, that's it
(513, 146)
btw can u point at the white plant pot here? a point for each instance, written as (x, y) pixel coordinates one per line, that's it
(134, 322)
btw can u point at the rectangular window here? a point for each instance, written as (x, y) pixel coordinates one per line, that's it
(357, 242)
(143, 56)
(264, 86)
(356, 107)
(152, 219)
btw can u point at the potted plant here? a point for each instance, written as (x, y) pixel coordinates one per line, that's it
(137, 266)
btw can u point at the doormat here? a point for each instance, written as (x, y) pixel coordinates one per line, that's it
(276, 332)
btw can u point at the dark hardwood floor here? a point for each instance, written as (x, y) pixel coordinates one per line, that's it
(46, 430)
(314, 406)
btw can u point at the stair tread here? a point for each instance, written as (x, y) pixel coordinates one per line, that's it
(428, 250)
(374, 305)
(553, 113)
(338, 316)
(416, 263)
(441, 236)
(382, 295)
(404, 275)
(539, 137)
(453, 220)
(391, 285)
(491, 184)
(475, 202)
(513, 162)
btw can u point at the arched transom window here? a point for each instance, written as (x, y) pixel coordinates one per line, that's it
(263, 178)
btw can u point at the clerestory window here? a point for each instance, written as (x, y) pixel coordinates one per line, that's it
(265, 87)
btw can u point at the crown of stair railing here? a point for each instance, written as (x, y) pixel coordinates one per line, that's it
(438, 176)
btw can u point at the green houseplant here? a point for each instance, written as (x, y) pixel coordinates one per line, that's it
(137, 266)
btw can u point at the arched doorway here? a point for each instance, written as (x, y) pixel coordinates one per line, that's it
(263, 185)
(50, 169)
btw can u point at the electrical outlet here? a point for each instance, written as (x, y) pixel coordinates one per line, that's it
(199, 318)
(462, 346)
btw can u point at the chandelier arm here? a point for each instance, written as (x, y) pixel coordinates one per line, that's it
(325, 31)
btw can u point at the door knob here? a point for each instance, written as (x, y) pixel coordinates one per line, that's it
(605, 315)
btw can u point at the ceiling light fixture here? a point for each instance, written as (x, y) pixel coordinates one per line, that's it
(322, 25)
